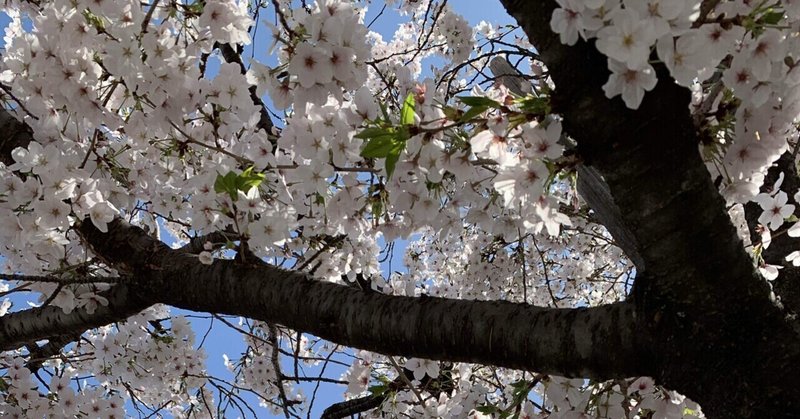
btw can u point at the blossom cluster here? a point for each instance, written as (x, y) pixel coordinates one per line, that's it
(157, 367)
(327, 56)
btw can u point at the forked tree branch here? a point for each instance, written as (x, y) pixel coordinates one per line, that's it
(650, 161)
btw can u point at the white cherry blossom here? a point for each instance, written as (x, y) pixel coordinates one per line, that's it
(631, 83)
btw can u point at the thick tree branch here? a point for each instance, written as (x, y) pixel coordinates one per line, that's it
(700, 298)
(601, 342)
(28, 326)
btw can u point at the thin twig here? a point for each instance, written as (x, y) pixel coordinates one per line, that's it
(407, 381)
(66, 281)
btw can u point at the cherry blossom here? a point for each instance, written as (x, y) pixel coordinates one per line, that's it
(628, 40)
(776, 209)
(631, 83)
(423, 367)
(566, 21)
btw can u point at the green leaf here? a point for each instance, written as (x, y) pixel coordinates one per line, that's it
(479, 101)
(451, 113)
(232, 182)
(487, 409)
(377, 208)
(249, 180)
(379, 147)
(391, 160)
(538, 105)
(387, 143)
(94, 20)
(407, 113)
(164, 339)
(378, 390)
(226, 184)
(402, 134)
(195, 8)
(473, 112)
(373, 132)
(771, 18)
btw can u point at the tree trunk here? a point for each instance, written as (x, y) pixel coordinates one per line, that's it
(723, 342)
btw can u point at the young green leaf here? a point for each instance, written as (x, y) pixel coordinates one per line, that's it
(479, 101)
(226, 184)
(391, 160)
(473, 112)
(249, 180)
(407, 113)
(379, 147)
(451, 113)
(378, 390)
(373, 132)
(772, 18)
(534, 105)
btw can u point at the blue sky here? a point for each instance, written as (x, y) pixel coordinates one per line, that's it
(222, 339)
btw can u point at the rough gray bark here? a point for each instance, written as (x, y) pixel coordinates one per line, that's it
(703, 298)
(26, 327)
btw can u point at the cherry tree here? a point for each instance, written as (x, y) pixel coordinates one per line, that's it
(598, 205)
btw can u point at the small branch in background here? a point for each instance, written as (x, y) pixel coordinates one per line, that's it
(65, 281)
(231, 56)
(148, 16)
(407, 381)
(7, 90)
(273, 339)
(39, 354)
